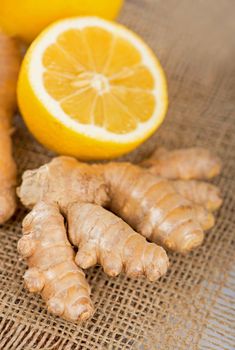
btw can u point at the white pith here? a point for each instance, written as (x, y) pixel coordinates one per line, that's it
(99, 82)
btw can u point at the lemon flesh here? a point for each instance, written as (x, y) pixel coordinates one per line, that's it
(91, 88)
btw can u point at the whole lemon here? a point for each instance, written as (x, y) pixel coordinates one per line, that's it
(27, 18)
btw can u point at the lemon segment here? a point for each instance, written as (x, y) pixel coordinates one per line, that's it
(96, 84)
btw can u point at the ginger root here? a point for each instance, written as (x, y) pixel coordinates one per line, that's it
(52, 271)
(9, 67)
(104, 238)
(204, 217)
(185, 164)
(150, 204)
(65, 185)
(172, 214)
(201, 193)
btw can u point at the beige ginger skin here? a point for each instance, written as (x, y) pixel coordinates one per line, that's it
(148, 203)
(65, 186)
(78, 192)
(201, 193)
(104, 238)
(185, 164)
(152, 207)
(52, 269)
(9, 67)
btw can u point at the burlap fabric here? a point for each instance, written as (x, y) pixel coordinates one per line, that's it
(192, 307)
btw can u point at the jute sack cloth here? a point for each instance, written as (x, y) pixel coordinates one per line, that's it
(191, 307)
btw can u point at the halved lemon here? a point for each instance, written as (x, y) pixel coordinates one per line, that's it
(91, 88)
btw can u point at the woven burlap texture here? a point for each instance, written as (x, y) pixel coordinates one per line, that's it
(195, 43)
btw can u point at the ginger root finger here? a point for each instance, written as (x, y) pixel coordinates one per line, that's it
(204, 217)
(9, 68)
(63, 180)
(152, 207)
(201, 193)
(52, 271)
(104, 238)
(186, 164)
